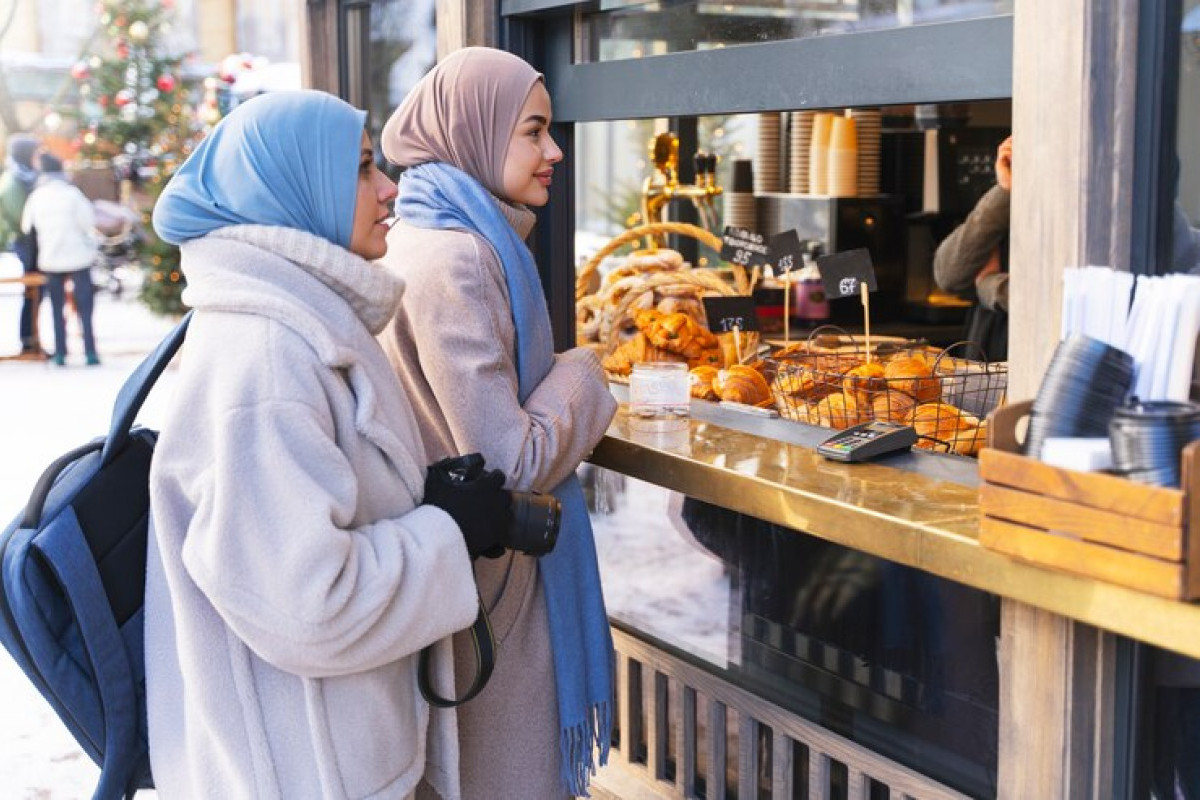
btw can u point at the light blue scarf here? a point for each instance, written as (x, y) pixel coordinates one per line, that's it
(288, 159)
(438, 195)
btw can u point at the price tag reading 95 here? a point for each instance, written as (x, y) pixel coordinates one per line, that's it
(786, 252)
(743, 247)
(728, 313)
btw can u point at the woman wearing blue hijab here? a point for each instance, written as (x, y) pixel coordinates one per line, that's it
(293, 574)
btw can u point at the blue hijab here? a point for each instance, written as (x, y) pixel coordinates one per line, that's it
(288, 159)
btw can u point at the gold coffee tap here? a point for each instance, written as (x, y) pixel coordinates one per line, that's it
(661, 188)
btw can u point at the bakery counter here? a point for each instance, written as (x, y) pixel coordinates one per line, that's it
(914, 509)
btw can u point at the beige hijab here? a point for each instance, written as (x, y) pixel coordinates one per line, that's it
(462, 113)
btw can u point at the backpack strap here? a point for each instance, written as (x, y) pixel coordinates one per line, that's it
(485, 657)
(67, 556)
(137, 386)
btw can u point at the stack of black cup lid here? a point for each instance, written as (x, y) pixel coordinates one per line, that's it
(1083, 386)
(1148, 439)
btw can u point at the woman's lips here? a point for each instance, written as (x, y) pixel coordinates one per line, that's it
(544, 178)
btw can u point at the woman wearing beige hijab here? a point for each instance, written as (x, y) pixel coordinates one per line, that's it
(473, 346)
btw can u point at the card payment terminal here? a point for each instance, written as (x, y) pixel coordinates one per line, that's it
(868, 440)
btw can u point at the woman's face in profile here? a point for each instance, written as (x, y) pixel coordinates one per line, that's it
(372, 206)
(532, 154)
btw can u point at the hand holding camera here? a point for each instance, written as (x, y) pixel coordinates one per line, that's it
(490, 517)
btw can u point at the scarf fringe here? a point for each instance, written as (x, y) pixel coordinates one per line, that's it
(579, 745)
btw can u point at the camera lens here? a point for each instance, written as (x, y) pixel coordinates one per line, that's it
(534, 528)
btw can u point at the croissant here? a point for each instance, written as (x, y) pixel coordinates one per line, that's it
(941, 421)
(741, 384)
(893, 406)
(913, 375)
(706, 358)
(864, 382)
(700, 382)
(838, 411)
(969, 441)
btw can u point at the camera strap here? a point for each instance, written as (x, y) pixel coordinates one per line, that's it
(485, 657)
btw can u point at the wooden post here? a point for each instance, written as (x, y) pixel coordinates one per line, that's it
(1057, 680)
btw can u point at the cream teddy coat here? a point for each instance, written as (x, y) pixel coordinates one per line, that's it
(292, 576)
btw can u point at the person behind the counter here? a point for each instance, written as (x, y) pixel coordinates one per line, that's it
(300, 556)
(472, 344)
(973, 261)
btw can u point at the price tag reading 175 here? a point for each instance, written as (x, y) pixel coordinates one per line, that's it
(725, 314)
(743, 247)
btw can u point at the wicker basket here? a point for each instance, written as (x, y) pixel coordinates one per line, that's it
(704, 236)
(946, 403)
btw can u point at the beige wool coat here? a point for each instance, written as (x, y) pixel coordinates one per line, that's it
(452, 344)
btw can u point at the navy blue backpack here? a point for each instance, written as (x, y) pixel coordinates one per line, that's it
(72, 582)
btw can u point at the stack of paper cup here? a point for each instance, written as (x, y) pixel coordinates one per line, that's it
(868, 124)
(768, 162)
(739, 200)
(818, 154)
(799, 144)
(843, 158)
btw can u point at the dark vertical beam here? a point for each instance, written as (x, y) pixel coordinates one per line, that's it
(1156, 119)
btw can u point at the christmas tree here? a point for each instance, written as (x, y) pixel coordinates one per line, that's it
(133, 112)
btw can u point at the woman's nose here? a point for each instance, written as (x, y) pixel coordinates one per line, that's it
(387, 189)
(553, 153)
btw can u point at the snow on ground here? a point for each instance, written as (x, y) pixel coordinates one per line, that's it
(653, 575)
(45, 411)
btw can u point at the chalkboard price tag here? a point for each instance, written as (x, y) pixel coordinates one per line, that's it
(743, 247)
(786, 252)
(726, 313)
(843, 274)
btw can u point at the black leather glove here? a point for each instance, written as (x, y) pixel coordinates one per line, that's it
(476, 500)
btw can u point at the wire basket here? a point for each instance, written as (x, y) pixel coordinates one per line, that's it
(945, 397)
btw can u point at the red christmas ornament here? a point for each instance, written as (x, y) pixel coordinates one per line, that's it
(122, 50)
(80, 71)
(166, 82)
(121, 22)
(103, 100)
(123, 98)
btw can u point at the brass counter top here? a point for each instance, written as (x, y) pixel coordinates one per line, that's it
(917, 509)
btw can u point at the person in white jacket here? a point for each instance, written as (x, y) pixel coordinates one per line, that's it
(293, 574)
(65, 227)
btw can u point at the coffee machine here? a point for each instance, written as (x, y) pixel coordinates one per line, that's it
(837, 224)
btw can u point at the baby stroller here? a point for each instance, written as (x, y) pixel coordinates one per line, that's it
(118, 232)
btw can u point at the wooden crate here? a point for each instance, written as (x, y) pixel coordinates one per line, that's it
(1088, 523)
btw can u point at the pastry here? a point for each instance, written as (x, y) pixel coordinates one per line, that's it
(838, 411)
(700, 382)
(913, 375)
(864, 382)
(741, 384)
(941, 421)
(893, 407)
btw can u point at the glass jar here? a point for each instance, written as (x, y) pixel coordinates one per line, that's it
(659, 397)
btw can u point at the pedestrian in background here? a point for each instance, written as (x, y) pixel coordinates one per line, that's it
(472, 344)
(65, 226)
(16, 183)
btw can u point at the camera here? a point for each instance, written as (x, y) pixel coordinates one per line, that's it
(535, 517)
